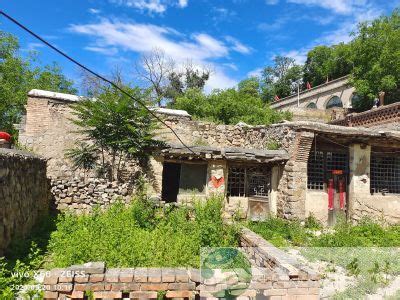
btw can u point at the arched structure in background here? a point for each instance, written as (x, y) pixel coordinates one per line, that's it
(335, 101)
(311, 105)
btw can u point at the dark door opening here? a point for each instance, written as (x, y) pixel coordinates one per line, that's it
(170, 182)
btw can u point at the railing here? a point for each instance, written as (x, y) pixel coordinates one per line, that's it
(381, 115)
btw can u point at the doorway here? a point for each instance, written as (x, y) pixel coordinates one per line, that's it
(337, 196)
(170, 182)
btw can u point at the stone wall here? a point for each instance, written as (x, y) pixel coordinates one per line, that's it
(274, 275)
(83, 195)
(24, 194)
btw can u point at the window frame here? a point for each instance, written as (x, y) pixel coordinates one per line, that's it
(387, 179)
(250, 174)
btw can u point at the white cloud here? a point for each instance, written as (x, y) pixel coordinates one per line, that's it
(272, 2)
(337, 6)
(238, 46)
(94, 11)
(151, 6)
(183, 3)
(105, 51)
(255, 73)
(200, 48)
(299, 56)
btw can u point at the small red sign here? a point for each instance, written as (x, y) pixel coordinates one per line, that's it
(337, 172)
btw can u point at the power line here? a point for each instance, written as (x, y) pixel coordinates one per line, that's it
(95, 74)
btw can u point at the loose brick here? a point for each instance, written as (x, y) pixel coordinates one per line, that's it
(314, 291)
(126, 275)
(77, 294)
(275, 292)
(52, 277)
(181, 275)
(112, 275)
(179, 294)
(167, 275)
(143, 295)
(109, 295)
(50, 295)
(81, 278)
(64, 287)
(131, 286)
(154, 286)
(140, 275)
(298, 291)
(94, 278)
(154, 275)
(80, 287)
(194, 275)
(181, 286)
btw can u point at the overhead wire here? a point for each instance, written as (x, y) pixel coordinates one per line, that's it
(81, 65)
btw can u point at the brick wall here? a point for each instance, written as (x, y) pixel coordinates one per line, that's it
(274, 275)
(24, 194)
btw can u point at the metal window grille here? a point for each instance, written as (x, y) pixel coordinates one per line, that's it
(385, 174)
(336, 161)
(259, 182)
(315, 171)
(321, 163)
(236, 181)
(249, 181)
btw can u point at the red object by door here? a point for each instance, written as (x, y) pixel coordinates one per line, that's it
(331, 191)
(5, 136)
(342, 194)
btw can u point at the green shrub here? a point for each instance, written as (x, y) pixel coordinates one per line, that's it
(141, 235)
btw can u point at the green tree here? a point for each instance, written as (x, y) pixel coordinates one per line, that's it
(281, 79)
(116, 125)
(84, 156)
(376, 56)
(327, 62)
(18, 75)
(230, 106)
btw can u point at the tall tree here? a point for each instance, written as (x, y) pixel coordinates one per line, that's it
(326, 63)
(281, 79)
(18, 76)
(376, 56)
(188, 77)
(155, 69)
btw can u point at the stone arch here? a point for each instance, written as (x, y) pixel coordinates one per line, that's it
(334, 101)
(311, 105)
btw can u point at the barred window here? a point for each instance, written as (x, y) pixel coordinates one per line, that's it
(249, 181)
(321, 163)
(385, 174)
(236, 182)
(315, 171)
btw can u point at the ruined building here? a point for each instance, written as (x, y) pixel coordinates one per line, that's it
(290, 169)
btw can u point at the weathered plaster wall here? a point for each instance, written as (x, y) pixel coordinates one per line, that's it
(317, 205)
(362, 202)
(24, 194)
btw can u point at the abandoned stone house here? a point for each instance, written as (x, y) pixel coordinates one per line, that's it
(319, 169)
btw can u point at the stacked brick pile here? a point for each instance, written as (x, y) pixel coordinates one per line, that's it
(274, 275)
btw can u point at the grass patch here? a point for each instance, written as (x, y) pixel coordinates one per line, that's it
(141, 235)
(366, 233)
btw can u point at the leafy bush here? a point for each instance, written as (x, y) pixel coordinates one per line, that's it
(229, 107)
(141, 235)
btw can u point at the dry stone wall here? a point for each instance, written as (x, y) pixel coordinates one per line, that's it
(83, 195)
(24, 193)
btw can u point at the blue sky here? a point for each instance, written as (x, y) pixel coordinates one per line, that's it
(233, 38)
